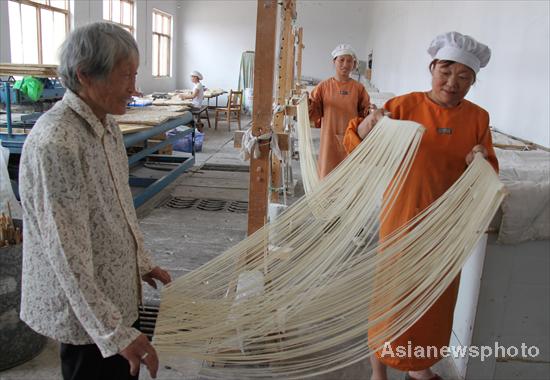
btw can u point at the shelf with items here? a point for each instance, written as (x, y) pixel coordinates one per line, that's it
(13, 130)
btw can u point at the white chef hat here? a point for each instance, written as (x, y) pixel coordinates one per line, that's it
(195, 73)
(343, 49)
(457, 47)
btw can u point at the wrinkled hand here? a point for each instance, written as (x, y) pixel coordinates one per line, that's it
(476, 149)
(370, 121)
(140, 350)
(157, 274)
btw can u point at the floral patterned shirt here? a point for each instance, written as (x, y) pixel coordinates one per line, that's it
(83, 253)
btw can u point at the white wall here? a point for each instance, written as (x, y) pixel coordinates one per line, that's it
(210, 36)
(89, 11)
(214, 34)
(514, 87)
(327, 24)
(85, 12)
(144, 37)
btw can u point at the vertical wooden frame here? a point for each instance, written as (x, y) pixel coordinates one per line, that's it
(264, 65)
(299, 47)
(284, 83)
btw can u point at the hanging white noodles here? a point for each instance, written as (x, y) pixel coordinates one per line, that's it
(313, 294)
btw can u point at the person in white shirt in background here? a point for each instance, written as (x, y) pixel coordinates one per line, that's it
(197, 96)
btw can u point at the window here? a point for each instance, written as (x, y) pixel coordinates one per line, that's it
(162, 40)
(120, 12)
(37, 29)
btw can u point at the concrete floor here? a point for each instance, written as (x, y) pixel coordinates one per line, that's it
(182, 239)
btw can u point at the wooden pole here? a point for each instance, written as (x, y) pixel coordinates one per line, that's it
(264, 65)
(300, 47)
(290, 59)
(283, 86)
(286, 43)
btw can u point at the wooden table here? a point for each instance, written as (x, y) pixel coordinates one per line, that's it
(208, 94)
(215, 95)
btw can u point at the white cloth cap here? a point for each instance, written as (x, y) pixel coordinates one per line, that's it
(195, 73)
(460, 48)
(343, 49)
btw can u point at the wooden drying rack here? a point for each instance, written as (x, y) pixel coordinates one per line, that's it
(265, 172)
(40, 71)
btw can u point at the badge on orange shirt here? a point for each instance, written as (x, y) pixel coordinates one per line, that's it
(445, 131)
(344, 92)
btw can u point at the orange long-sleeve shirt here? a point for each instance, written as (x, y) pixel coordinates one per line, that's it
(332, 105)
(450, 135)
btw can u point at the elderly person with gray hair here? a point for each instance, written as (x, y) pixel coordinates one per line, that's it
(83, 255)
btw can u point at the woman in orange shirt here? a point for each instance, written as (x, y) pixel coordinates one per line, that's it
(332, 104)
(455, 130)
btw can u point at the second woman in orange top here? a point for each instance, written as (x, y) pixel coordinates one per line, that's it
(332, 104)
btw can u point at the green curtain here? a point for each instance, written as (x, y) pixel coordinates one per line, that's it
(246, 78)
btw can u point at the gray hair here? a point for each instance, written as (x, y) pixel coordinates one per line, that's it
(94, 49)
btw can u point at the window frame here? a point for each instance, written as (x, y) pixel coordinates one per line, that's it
(160, 36)
(48, 7)
(132, 3)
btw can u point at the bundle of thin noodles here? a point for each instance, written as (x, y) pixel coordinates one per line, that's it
(308, 164)
(298, 297)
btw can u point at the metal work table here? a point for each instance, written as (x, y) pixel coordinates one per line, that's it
(175, 165)
(13, 136)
